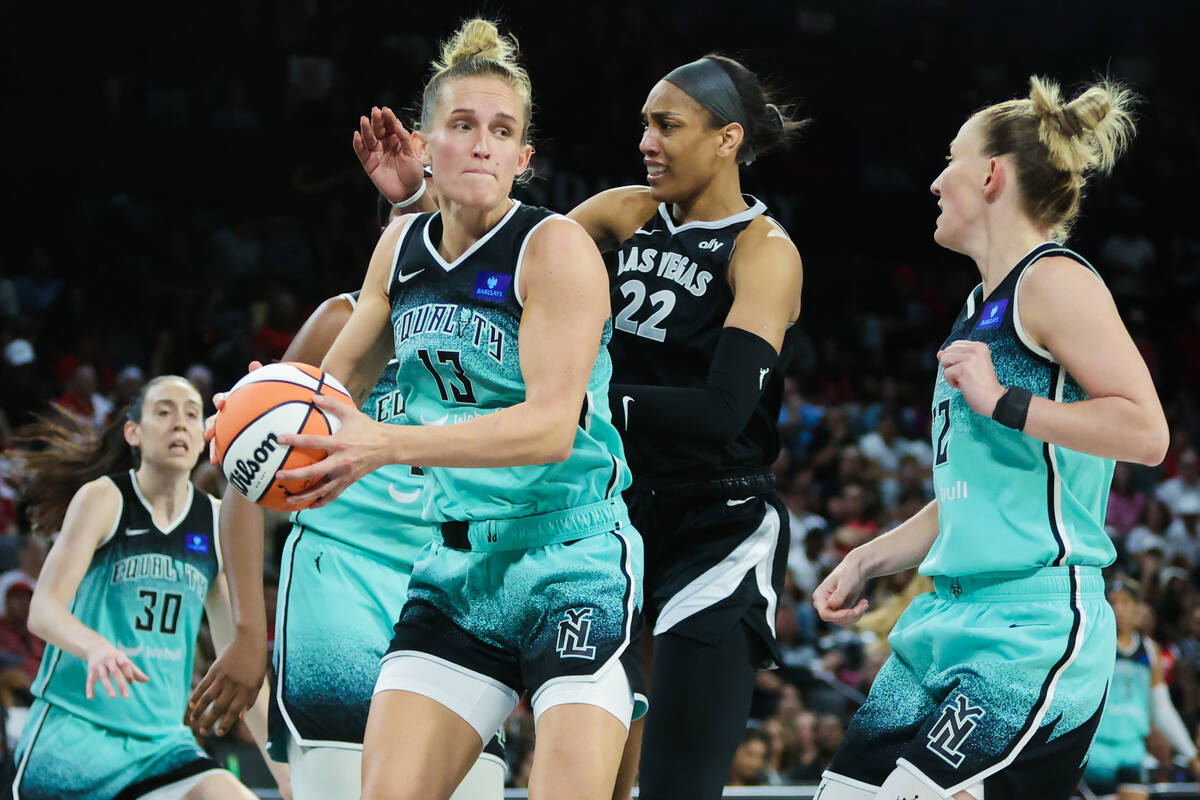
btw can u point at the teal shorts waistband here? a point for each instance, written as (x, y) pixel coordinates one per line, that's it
(537, 530)
(1009, 586)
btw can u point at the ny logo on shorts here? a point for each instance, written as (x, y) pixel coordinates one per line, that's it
(573, 634)
(952, 729)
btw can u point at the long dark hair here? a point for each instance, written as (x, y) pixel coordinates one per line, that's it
(62, 451)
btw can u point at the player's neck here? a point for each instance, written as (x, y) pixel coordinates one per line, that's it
(165, 492)
(1125, 640)
(1004, 246)
(720, 199)
(463, 226)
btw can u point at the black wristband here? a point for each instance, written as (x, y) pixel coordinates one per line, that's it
(1013, 407)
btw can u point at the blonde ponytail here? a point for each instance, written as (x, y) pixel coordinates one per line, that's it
(1057, 146)
(1087, 134)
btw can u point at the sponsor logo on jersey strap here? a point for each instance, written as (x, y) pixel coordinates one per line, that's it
(197, 543)
(993, 315)
(948, 734)
(492, 287)
(402, 278)
(573, 633)
(403, 497)
(136, 531)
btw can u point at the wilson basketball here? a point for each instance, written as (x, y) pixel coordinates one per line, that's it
(269, 401)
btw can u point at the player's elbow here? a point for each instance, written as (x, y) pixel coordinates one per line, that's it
(37, 622)
(1153, 443)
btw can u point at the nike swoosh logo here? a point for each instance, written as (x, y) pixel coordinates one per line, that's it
(403, 497)
(738, 502)
(1029, 625)
(131, 651)
(401, 278)
(439, 421)
(625, 401)
(136, 531)
(641, 230)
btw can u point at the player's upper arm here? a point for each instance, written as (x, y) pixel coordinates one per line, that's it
(612, 216)
(564, 288)
(319, 331)
(1066, 309)
(766, 275)
(91, 519)
(362, 348)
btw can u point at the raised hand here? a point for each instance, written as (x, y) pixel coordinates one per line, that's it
(387, 153)
(110, 666)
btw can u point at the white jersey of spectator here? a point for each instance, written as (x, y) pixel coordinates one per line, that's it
(1181, 494)
(1183, 539)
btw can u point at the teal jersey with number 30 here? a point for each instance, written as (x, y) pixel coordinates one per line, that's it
(144, 592)
(1007, 501)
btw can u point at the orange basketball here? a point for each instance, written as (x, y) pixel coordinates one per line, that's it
(269, 401)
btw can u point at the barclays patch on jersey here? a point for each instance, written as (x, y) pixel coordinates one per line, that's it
(197, 543)
(993, 315)
(492, 287)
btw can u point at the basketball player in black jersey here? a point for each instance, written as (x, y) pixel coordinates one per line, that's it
(701, 337)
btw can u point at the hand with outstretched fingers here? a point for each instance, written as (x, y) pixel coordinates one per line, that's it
(228, 689)
(113, 670)
(387, 154)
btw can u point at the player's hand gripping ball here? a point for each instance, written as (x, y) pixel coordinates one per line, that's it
(269, 401)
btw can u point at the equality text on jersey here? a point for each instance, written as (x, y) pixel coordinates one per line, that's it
(450, 319)
(156, 566)
(667, 264)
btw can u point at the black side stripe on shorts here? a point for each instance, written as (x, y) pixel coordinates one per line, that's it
(1042, 704)
(281, 637)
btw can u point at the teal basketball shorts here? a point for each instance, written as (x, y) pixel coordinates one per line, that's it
(65, 757)
(333, 623)
(543, 604)
(994, 679)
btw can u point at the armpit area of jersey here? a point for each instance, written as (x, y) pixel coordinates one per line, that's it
(717, 412)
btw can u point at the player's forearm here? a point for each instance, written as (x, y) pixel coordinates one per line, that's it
(901, 548)
(1112, 427)
(242, 552)
(52, 622)
(527, 433)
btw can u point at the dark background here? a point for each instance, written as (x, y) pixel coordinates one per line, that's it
(176, 163)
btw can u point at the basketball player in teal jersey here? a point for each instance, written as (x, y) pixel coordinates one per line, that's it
(498, 316)
(342, 584)
(706, 293)
(119, 603)
(1138, 694)
(997, 678)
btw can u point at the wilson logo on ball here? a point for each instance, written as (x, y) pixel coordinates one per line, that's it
(242, 473)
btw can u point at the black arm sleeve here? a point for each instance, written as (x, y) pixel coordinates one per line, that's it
(716, 412)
